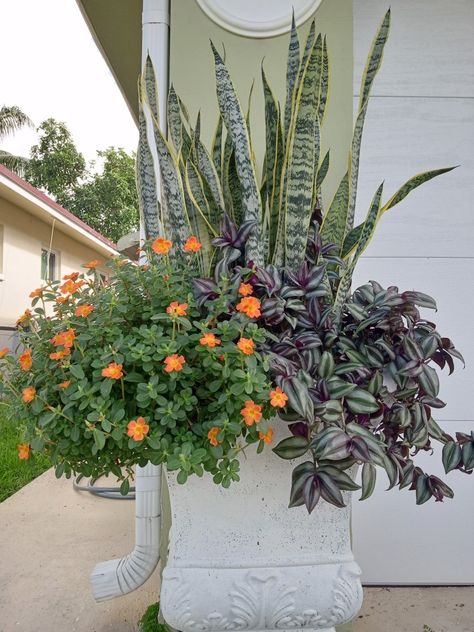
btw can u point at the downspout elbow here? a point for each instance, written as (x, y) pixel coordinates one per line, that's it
(118, 577)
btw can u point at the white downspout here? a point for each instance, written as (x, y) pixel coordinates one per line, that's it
(121, 576)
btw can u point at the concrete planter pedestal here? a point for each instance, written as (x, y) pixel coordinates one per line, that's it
(239, 559)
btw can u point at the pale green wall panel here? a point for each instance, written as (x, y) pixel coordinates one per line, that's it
(191, 71)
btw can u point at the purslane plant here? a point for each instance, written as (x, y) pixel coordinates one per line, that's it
(131, 371)
(361, 390)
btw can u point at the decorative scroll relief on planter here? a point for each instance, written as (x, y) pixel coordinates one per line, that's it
(262, 600)
(239, 559)
(262, 18)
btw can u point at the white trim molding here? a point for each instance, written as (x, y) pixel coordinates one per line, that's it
(265, 18)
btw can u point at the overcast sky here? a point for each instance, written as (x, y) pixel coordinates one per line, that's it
(50, 67)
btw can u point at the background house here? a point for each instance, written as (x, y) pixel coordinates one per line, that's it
(421, 116)
(39, 240)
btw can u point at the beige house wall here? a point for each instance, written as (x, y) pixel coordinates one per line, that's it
(192, 74)
(23, 237)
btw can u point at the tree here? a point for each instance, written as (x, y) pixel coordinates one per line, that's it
(108, 201)
(55, 163)
(13, 119)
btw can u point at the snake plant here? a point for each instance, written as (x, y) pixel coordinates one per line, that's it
(205, 189)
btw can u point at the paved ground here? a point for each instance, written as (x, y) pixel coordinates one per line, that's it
(51, 537)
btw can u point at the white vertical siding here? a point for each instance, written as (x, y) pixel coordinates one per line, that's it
(421, 117)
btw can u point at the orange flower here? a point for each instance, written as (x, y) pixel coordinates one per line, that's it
(177, 309)
(209, 340)
(174, 362)
(137, 429)
(192, 244)
(252, 413)
(73, 276)
(84, 310)
(221, 357)
(250, 306)
(92, 265)
(29, 393)
(246, 345)
(24, 317)
(25, 360)
(3, 352)
(212, 436)
(245, 289)
(278, 398)
(161, 246)
(65, 384)
(59, 355)
(65, 338)
(60, 300)
(70, 287)
(24, 451)
(166, 278)
(37, 293)
(113, 371)
(266, 437)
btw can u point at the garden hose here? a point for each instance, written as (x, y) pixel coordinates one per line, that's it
(102, 492)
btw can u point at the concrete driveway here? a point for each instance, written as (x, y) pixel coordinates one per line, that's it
(51, 537)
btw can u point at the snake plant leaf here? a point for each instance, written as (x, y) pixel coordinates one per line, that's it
(366, 235)
(146, 182)
(195, 190)
(354, 161)
(301, 169)
(216, 148)
(177, 131)
(292, 70)
(307, 49)
(353, 237)
(273, 159)
(209, 174)
(334, 222)
(173, 193)
(372, 67)
(324, 90)
(235, 123)
(375, 58)
(323, 170)
(151, 88)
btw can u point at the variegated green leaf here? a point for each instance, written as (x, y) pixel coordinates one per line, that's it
(323, 170)
(196, 192)
(354, 160)
(352, 238)
(234, 120)
(412, 184)
(307, 50)
(177, 131)
(334, 223)
(366, 235)
(209, 174)
(175, 205)
(292, 69)
(216, 148)
(151, 88)
(301, 171)
(146, 183)
(273, 159)
(372, 67)
(374, 60)
(324, 91)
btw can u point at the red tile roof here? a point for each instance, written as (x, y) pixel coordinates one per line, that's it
(29, 188)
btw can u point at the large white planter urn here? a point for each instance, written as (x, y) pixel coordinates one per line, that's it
(239, 559)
